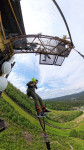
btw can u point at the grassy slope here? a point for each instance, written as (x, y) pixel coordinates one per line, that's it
(62, 125)
(28, 104)
(17, 108)
(63, 116)
(59, 138)
(20, 134)
(30, 118)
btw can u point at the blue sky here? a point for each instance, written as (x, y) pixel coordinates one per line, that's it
(43, 17)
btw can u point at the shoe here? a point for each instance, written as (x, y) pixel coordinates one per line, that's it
(41, 114)
(46, 111)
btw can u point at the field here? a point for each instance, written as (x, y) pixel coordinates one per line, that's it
(64, 128)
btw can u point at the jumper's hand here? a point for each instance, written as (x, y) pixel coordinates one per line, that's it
(33, 84)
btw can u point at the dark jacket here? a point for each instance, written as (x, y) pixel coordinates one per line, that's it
(30, 87)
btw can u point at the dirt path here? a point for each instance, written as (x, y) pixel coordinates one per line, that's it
(79, 119)
(71, 147)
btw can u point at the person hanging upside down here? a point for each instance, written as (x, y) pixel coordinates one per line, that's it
(31, 92)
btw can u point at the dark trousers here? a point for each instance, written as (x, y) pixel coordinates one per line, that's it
(36, 98)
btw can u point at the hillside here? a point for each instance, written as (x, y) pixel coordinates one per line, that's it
(77, 96)
(23, 130)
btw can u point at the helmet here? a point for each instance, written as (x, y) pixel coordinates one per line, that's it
(33, 79)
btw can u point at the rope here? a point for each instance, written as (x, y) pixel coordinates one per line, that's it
(44, 122)
(42, 125)
(64, 20)
(79, 53)
(34, 67)
(34, 70)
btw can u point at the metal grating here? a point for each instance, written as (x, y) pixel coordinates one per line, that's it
(51, 59)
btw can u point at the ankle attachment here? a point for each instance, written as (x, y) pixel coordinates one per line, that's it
(38, 109)
(43, 107)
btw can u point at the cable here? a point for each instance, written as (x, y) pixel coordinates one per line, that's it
(79, 53)
(64, 20)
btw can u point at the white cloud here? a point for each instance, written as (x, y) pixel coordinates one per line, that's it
(41, 89)
(17, 81)
(29, 60)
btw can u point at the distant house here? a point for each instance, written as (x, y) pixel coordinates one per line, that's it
(73, 99)
(75, 108)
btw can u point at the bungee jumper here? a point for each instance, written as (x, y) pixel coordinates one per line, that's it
(32, 85)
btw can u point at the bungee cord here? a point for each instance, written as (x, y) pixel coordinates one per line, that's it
(42, 123)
